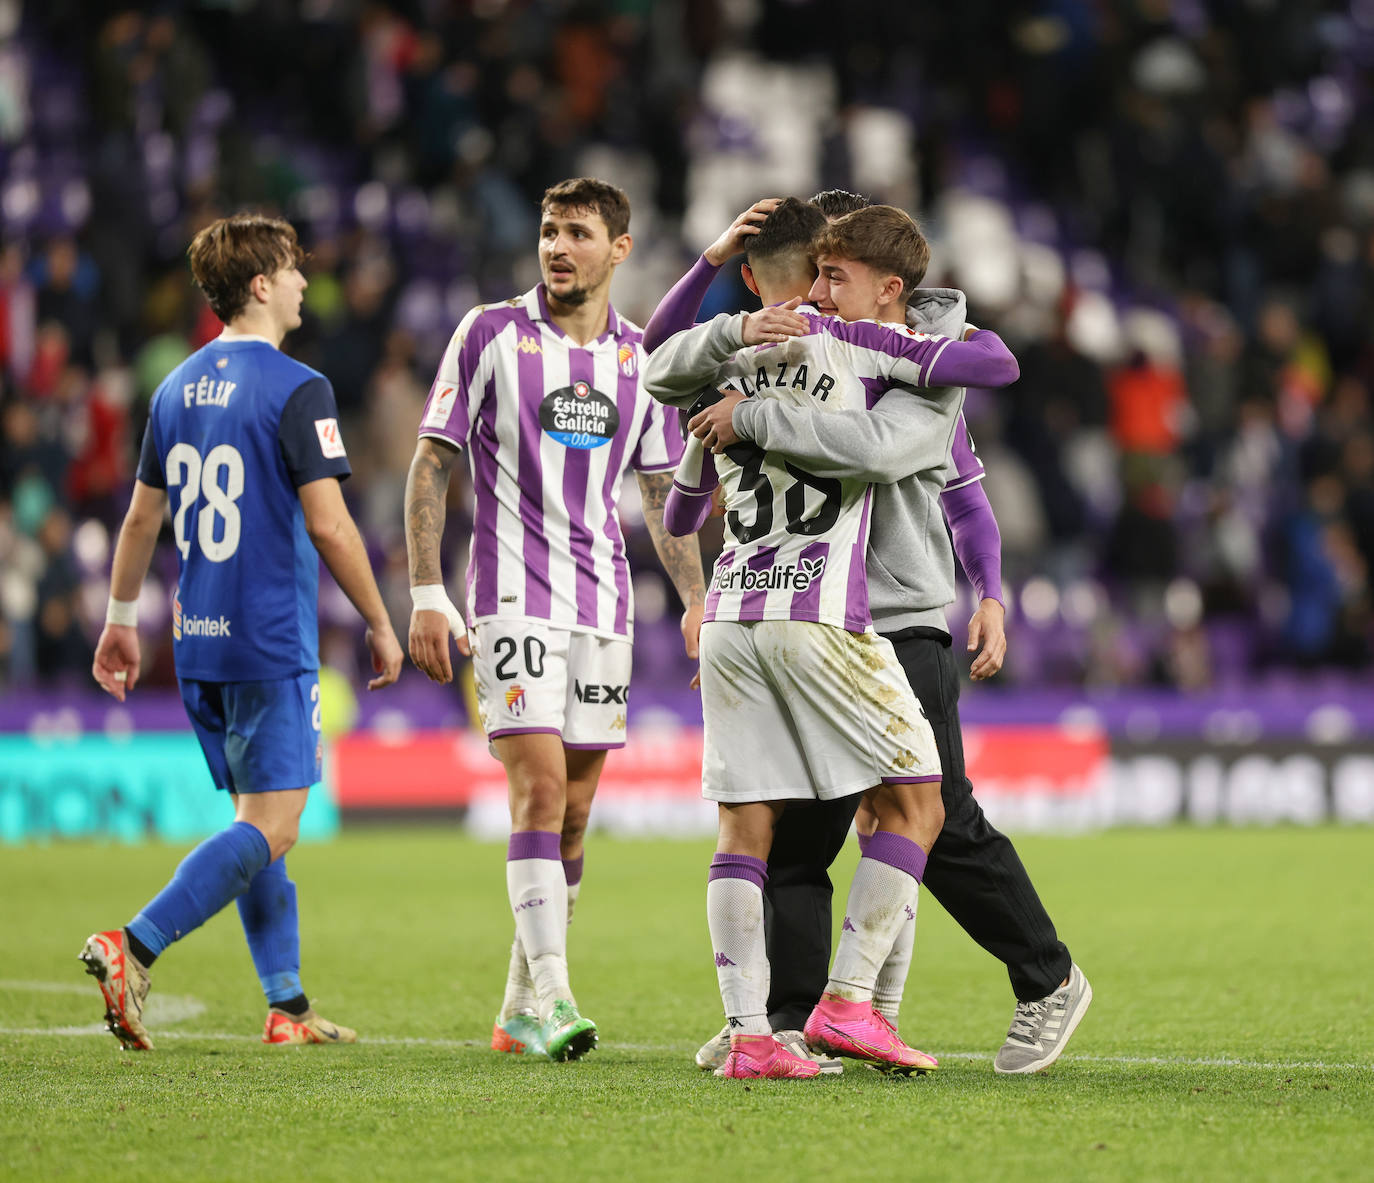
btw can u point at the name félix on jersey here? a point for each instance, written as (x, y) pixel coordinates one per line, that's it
(799, 379)
(208, 392)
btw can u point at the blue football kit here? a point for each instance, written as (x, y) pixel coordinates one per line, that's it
(232, 433)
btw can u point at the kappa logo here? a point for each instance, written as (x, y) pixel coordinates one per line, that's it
(847, 926)
(528, 345)
(628, 362)
(722, 961)
(618, 723)
(515, 700)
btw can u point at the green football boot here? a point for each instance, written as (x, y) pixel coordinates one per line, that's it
(567, 1035)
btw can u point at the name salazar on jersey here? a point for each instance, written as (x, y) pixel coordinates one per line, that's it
(787, 576)
(579, 416)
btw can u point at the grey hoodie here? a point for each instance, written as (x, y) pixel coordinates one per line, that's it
(910, 560)
(902, 446)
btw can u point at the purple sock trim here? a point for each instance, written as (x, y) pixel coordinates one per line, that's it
(572, 870)
(738, 866)
(896, 851)
(864, 840)
(532, 844)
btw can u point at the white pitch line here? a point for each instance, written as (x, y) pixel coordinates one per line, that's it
(46, 987)
(162, 1009)
(665, 1049)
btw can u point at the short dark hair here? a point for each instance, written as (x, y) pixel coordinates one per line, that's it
(790, 227)
(882, 237)
(589, 193)
(230, 252)
(835, 203)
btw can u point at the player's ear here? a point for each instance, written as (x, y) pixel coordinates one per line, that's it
(259, 287)
(747, 274)
(890, 291)
(621, 248)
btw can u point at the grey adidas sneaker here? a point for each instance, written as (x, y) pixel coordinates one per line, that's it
(712, 1054)
(795, 1042)
(1040, 1029)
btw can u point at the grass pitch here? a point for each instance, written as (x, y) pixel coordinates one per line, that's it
(1229, 1036)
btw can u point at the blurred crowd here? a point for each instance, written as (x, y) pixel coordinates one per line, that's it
(1165, 206)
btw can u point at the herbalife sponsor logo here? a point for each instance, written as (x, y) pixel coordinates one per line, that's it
(786, 577)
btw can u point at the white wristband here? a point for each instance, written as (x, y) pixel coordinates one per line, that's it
(431, 597)
(121, 612)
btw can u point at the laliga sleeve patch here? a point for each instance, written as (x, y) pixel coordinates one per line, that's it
(441, 407)
(331, 442)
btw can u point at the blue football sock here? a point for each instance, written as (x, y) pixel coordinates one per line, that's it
(219, 869)
(268, 912)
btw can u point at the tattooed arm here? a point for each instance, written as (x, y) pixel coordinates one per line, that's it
(430, 626)
(681, 557)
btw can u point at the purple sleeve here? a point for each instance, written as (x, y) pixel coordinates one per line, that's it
(678, 309)
(977, 540)
(982, 360)
(685, 513)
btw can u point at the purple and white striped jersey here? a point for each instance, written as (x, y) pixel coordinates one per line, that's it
(795, 543)
(551, 428)
(964, 467)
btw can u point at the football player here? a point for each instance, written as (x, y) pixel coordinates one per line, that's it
(791, 667)
(544, 391)
(245, 441)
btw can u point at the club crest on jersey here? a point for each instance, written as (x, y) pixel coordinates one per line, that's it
(515, 700)
(626, 357)
(785, 576)
(579, 416)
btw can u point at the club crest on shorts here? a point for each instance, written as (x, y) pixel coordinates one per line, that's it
(515, 699)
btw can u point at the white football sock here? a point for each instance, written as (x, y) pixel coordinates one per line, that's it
(734, 913)
(539, 898)
(891, 983)
(520, 993)
(873, 915)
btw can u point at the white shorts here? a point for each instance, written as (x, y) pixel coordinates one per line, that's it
(797, 710)
(534, 678)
